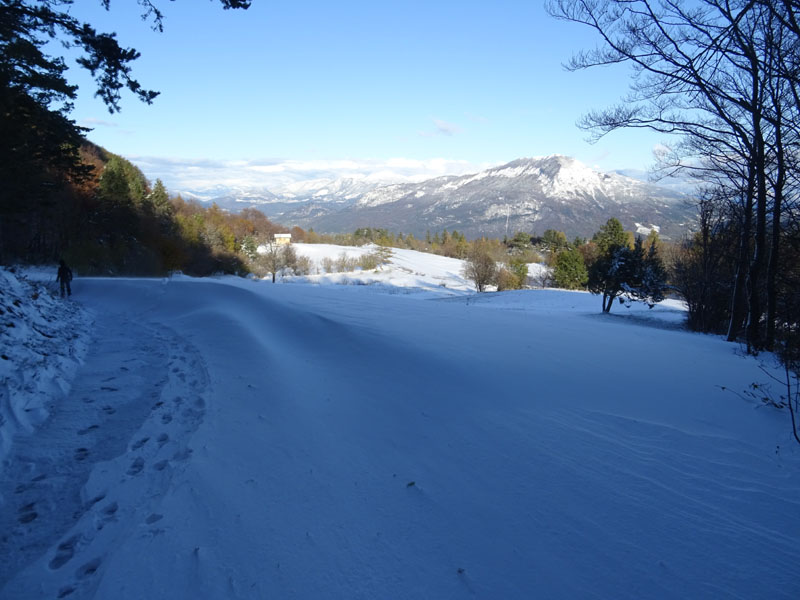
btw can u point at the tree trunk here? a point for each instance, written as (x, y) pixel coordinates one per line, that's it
(607, 302)
(738, 296)
(755, 341)
(777, 208)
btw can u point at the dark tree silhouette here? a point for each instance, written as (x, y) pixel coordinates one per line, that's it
(39, 153)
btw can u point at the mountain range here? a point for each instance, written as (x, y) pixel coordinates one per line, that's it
(529, 194)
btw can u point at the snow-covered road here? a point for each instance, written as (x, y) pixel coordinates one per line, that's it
(235, 439)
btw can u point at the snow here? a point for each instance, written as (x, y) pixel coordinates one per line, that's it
(646, 229)
(42, 341)
(234, 438)
(408, 273)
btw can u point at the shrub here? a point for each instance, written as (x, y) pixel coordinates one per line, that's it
(368, 262)
(507, 280)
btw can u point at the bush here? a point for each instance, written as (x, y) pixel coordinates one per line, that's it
(345, 264)
(303, 266)
(369, 262)
(506, 280)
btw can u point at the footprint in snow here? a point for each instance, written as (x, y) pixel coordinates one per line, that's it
(136, 467)
(162, 439)
(184, 454)
(64, 553)
(81, 454)
(111, 509)
(166, 419)
(88, 429)
(26, 513)
(88, 569)
(140, 443)
(161, 465)
(94, 501)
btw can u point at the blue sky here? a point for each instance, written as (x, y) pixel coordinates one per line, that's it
(304, 89)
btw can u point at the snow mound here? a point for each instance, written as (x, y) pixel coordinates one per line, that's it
(42, 341)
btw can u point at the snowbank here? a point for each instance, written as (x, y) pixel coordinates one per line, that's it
(42, 340)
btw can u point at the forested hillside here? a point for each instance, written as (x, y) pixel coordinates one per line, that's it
(104, 217)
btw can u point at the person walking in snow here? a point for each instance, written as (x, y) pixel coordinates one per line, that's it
(64, 277)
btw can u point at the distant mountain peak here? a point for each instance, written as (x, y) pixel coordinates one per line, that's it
(527, 194)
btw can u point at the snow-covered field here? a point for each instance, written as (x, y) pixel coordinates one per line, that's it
(409, 272)
(231, 438)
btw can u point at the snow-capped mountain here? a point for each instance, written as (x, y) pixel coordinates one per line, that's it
(529, 194)
(337, 190)
(232, 198)
(294, 197)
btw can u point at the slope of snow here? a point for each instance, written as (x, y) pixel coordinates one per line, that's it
(230, 438)
(409, 272)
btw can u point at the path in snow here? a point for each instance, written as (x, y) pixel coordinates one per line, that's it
(133, 405)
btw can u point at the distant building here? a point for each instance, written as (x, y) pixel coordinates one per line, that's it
(282, 239)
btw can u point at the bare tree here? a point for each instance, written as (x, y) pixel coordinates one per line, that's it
(480, 265)
(270, 259)
(722, 75)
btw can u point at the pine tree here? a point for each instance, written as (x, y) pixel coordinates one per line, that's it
(628, 273)
(610, 235)
(570, 271)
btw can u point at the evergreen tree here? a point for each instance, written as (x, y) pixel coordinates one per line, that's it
(611, 235)
(570, 271)
(628, 273)
(554, 241)
(519, 268)
(40, 160)
(159, 199)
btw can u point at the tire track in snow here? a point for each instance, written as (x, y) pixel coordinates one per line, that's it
(78, 486)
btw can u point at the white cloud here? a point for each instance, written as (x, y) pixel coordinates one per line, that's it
(196, 175)
(91, 122)
(446, 128)
(442, 128)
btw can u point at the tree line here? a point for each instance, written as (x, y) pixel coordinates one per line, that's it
(721, 77)
(114, 221)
